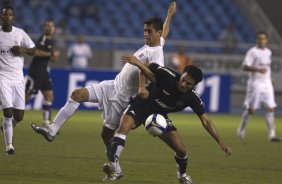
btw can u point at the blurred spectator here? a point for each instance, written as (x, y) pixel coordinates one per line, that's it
(92, 11)
(229, 39)
(60, 34)
(79, 53)
(180, 60)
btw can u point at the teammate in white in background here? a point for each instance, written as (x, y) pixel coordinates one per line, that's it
(259, 87)
(79, 53)
(113, 96)
(12, 91)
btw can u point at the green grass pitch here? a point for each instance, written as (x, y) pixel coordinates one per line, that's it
(77, 154)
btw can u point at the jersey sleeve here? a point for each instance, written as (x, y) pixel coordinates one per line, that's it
(197, 104)
(27, 41)
(249, 58)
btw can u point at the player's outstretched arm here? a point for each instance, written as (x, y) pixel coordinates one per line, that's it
(18, 50)
(253, 69)
(208, 125)
(144, 69)
(170, 12)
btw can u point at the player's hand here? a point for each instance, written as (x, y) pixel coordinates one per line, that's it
(17, 50)
(143, 93)
(172, 8)
(226, 149)
(128, 58)
(262, 70)
(55, 54)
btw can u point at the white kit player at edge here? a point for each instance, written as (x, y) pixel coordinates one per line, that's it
(12, 91)
(113, 95)
(259, 87)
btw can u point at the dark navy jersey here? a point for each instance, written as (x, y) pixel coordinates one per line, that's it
(164, 95)
(39, 65)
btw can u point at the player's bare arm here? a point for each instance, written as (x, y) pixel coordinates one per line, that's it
(170, 12)
(144, 69)
(208, 125)
(142, 91)
(18, 50)
(253, 69)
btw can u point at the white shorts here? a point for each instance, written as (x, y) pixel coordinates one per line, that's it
(109, 102)
(257, 97)
(12, 95)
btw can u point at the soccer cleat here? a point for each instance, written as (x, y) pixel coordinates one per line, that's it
(110, 172)
(185, 180)
(43, 131)
(10, 150)
(275, 139)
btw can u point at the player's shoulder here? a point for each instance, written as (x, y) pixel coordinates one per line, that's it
(168, 71)
(18, 30)
(195, 97)
(253, 49)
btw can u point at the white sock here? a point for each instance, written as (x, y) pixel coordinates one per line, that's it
(8, 130)
(244, 121)
(269, 116)
(63, 115)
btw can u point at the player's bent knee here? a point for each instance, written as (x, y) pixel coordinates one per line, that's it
(126, 124)
(8, 113)
(80, 95)
(181, 152)
(107, 134)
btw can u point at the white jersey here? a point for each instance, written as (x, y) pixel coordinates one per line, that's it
(127, 81)
(259, 58)
(79, 54)
(11, 66)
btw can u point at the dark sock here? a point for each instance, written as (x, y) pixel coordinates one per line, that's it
(181, 164)
(117, 146)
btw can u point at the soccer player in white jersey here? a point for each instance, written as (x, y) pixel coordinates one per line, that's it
(12, 91)
(259, 87)
(113, 96)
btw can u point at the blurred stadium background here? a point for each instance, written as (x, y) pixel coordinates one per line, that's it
(115, 27)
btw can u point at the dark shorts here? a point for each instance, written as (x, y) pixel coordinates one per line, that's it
(35, 83)
(140, 115)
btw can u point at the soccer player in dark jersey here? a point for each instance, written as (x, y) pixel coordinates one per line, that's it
(38, 75)
(168, 92)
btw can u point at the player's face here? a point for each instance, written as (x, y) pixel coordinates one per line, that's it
(151, 36)
(7, 17)
(186, 82)
(49, 28)
(262, 40)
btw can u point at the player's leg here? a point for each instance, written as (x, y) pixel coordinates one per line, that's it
(114, 171)
(29, 87)
(269, 103)
(252, 102)
(47, 105)
(107, 135)
(77, 96)
(7, 124)
(92, 93)
(174, 141)
(12, 97)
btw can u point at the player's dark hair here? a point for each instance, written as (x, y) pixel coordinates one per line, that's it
(8, 7)
(195, 72)
(156, 22)
(261, 33)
